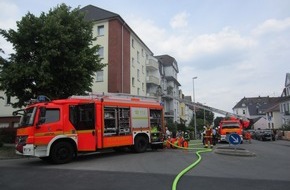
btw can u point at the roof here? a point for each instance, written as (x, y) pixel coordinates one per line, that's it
(274, 108)
(93, 13)
(257, 105)
(166, 60)
(188, 98)
(287, 80)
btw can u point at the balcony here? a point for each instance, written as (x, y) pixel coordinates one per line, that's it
(169, 113)
(151, 64)
(152, 80)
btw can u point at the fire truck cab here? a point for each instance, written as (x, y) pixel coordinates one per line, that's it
(58, 130)
(231, 125)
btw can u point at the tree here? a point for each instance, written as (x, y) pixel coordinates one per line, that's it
(200, 119)
(172, 127)
(217, 121)
(2, 62)
(53, 56)
(204, 115)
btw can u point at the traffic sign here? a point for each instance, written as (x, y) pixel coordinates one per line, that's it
(235, 139)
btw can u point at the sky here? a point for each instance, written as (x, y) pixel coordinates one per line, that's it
(235, 48)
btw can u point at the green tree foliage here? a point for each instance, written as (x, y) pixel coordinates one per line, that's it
(201, 118)
(54, 56)
(217, 121)
(205, 115)
(171, 125)
(2, 62)
(181, 127)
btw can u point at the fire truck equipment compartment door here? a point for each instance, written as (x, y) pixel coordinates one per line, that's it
(140, 117)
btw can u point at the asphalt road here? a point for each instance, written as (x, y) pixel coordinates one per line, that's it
(269, 169)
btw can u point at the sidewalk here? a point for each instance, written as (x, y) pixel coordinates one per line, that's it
(7, 151)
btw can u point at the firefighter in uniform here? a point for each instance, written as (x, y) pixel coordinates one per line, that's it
(208, 136)
(186, 139)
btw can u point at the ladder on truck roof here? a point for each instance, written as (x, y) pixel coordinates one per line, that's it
(117, 96)
(208, 108)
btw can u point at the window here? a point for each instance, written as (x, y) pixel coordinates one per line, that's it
(51, 115)
(101, 52)
(138, 91)
(82, 116)
(142, 52)
(133, 62)
(138, 57)
(244, 111)
(138, 74)
(133, 43)
(100, 76)
(101, 30)
(133, 81)
(28, 118)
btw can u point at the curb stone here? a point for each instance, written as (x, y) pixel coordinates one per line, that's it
(234, 151)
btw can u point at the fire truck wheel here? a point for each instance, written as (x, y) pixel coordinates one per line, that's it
(61, 153)
(140, 144)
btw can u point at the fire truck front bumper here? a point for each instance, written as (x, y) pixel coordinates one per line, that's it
(26, 150)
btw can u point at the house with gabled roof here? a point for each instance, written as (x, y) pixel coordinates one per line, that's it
(285, 102)
(256, 108)
(273, 117)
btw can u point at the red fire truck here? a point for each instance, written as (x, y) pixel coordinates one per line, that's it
(58, 130)
(230, 125)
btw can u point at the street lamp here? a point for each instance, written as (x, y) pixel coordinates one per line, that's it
(193, 97)
(204, 116)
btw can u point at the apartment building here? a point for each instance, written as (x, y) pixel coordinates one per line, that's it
(130, 63)
(169, 86)
(131, 67)
(185, 111)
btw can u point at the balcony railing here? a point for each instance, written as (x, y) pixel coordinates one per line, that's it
(151, 64)
(169, 113)
(153, 80)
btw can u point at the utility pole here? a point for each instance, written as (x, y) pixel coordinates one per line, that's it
(194, 111)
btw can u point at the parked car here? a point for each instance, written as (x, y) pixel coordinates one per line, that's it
(265, 135)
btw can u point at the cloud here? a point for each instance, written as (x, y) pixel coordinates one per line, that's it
(8, 15)
(272, 26)
(205, 49)
(179, 20)
(229, 64)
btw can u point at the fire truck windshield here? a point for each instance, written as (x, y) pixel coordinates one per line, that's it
(230, 126)
(28, 117)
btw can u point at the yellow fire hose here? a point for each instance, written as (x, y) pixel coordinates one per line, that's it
(184, 171)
